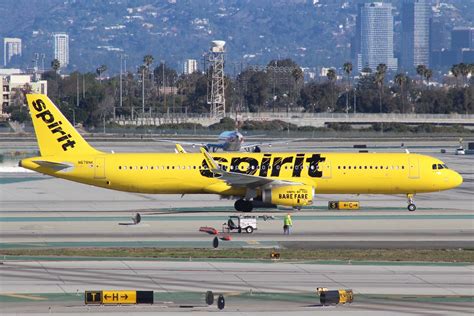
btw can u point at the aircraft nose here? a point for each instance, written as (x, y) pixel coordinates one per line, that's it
(456, 179)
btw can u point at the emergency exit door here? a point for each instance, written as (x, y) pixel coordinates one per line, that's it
(99, 168)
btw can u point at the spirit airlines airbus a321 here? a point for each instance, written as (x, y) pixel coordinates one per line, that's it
(289, 179)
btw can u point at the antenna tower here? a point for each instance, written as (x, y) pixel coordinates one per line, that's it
(216, 62)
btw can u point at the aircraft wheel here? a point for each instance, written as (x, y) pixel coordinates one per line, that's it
(239, 205)
(249, 229)
(243, 205)
(411, 207)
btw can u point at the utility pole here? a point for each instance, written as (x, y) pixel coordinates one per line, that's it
(77, 99)
(143, 90)
(164, 93)
(121, 56)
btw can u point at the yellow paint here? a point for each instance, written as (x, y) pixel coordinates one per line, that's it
(119, 297)
(189, 173)
(348, 205)
(29, 297)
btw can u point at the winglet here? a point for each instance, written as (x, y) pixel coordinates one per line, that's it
(179, 149)
(210, 161)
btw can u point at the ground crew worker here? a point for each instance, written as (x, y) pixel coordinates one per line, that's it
(287, 223)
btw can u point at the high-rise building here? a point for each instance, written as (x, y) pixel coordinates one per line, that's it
(415, 34)
(374, 36)
(462, 44)
(190, 66)
(462, 38)
(11, 47)
(61, 48)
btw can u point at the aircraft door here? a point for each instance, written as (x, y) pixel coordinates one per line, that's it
(326, 169)
(413, 168)
(99, 168)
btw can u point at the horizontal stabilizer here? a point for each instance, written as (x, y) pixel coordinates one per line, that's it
(58, 166)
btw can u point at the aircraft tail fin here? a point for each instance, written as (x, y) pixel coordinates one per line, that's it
(55, 134)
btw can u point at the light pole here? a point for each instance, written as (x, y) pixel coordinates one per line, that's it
(73, 117)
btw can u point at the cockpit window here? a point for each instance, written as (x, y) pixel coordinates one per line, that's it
(440, 166)
(435, 166)
(445, 167)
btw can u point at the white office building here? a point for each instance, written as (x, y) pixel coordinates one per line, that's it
(11, 47)
(375, 36)
(61, 48)
(190, 66)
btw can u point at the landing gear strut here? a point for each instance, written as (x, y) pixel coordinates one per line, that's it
(243, 205)
(411, 204)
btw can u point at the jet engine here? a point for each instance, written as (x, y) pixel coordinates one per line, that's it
(289, 195)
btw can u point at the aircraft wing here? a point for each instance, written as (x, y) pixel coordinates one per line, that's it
(246, 146)
(212, 147)
(179, 142)
(236, 179)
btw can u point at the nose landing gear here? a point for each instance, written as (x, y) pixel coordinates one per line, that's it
(411, 203)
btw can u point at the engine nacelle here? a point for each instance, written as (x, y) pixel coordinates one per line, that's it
(289, 195)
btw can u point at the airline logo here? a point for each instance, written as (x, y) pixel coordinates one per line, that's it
(54, 126)
(268, 165)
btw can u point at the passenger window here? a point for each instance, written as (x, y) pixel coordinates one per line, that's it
(365, 167)
(120, 167)
(349, 167)
(403, 167)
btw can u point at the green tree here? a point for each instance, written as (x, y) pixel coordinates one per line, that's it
(55, 65)
(456, 71)
(380, 80)
(401, 80)
(348, 70)
(428, 74)
(331, 75)
(420, 70)
(464, 71)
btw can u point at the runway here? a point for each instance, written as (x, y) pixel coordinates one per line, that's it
(292, 286)
(39, 212)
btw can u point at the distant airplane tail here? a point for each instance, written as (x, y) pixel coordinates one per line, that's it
(55, 134)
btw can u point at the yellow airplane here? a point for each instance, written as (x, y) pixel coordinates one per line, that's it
(289, 179)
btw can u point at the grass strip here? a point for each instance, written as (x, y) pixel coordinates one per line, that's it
(390, 255)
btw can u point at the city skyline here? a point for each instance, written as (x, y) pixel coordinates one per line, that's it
(82, 57)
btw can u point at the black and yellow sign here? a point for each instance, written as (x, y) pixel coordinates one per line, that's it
(93, 297)
(343, 205)
(118, 297)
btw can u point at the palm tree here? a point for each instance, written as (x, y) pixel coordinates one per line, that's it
(141, 70)
(380, 79)
(55, 65)
(400, 79)
(331, 74)
(428, 74)
(456, 71)
(420, 70)
(348, 70)
(464, 71)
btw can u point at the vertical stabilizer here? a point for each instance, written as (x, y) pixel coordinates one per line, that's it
(55, 134)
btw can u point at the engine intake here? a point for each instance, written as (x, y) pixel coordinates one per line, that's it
(289, 195)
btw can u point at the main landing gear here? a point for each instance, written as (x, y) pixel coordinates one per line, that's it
(411, 203)
(243, 205)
